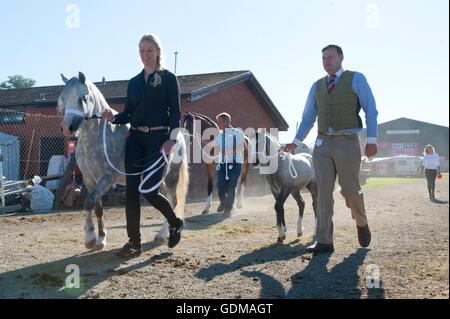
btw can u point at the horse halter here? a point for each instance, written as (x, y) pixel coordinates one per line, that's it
(84, 113)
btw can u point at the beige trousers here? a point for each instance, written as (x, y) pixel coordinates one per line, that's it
(341, 156)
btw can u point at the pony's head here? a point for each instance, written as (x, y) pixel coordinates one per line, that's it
(262, 146)
(79, 100)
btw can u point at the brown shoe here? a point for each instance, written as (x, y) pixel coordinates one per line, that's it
(364, 236)
(320, 248)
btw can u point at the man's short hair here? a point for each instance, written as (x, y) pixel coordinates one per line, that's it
(224, 116)
(334, 46)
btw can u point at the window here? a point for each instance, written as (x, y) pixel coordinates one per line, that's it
(12, 117)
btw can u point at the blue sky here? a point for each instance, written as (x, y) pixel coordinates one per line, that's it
(400, 46)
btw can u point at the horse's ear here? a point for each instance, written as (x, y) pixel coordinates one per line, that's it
(65, 80)
(81, 77)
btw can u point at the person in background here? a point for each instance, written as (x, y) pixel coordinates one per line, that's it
(232, 143)
(431, 164)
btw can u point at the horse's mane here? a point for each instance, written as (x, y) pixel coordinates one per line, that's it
(204, 118)
(98, 95)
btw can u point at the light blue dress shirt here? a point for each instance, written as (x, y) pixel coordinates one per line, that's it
(366, 99)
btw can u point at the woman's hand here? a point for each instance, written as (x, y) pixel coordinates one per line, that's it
(108, 115)
(167, 146)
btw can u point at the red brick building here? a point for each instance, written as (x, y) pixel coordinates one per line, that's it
(30, 113)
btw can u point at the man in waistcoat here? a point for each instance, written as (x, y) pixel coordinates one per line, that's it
(336, 100)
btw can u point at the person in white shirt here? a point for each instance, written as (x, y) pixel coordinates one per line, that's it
(232, 143)
(431, 164)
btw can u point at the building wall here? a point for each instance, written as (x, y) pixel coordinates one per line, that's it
(413, 137)
(237, 100)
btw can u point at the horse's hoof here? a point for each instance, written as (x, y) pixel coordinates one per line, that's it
(299, 234)
(205, 212)
(281, 239)
(239, 206)
(100, 245)
(90, 244)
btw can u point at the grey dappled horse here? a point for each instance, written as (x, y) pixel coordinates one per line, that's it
(81, 101)
(264, 150)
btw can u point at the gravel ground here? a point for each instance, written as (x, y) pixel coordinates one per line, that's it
(238, 257)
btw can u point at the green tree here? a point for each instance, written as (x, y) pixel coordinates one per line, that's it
(17, 81)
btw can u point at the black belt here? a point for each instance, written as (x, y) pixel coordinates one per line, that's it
(147, 129)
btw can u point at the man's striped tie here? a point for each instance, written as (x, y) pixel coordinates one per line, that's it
(331, 84)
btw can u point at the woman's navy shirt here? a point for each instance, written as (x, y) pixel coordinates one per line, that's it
(152, 106)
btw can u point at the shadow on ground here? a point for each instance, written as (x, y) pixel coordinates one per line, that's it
(48, 280)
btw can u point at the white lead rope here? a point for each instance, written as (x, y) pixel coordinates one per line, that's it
(141, 190)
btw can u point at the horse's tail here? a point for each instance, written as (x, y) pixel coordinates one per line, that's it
(182, 187)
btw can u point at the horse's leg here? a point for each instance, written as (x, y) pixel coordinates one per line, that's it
(209, 199)
(101, 240)
(89, 228)
(301, 207)
(240, 190)
(211, 171)
(281, 224)
(93, 200)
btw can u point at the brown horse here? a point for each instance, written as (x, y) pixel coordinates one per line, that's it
(206, 123)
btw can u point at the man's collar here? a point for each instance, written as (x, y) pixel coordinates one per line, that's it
(338, 73)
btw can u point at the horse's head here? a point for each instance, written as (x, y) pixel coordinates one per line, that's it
(188, 122)
(77, 102)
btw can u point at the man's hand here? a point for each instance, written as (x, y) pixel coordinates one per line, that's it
(289, 147)
(167, 146)
(108, 115)
(370, 150)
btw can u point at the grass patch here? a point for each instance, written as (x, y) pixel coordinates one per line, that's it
(385, 181)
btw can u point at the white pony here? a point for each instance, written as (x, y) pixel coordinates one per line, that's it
(291, 174)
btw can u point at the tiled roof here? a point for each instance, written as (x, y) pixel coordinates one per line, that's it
(192, 87)
(111, 89)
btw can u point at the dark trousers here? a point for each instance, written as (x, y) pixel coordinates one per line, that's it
(227, 188)
(431, 174)
(141, 151)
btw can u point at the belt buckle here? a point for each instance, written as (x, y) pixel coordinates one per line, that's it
(144, 129)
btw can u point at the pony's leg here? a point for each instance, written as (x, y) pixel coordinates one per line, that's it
(101, 240)
(312, 187)
(281, 224)
(301, 209)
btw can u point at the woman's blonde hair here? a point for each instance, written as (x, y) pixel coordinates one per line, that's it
(425, 149)
(153, 39)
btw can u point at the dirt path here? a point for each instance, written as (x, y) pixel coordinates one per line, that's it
(237, 257)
